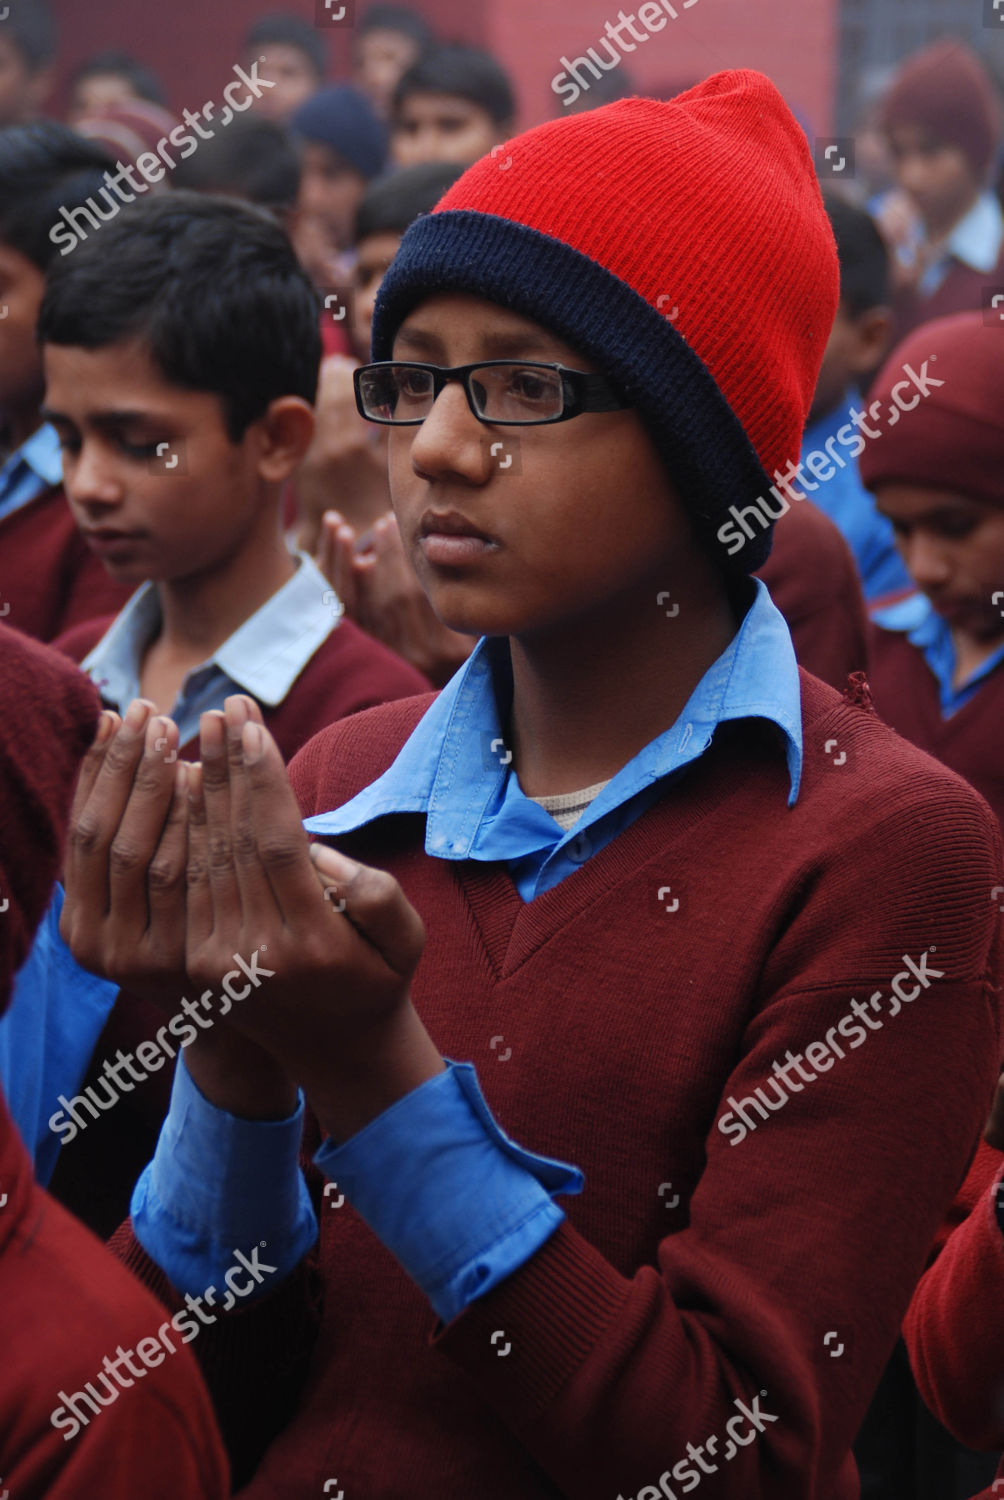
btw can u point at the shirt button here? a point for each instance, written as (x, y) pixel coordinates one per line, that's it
(580, 848)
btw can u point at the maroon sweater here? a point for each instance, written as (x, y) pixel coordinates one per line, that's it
(65, 1305)
(94, 1176)
(963, 290)
(48, 575)
(905, 692)
(691, 1272)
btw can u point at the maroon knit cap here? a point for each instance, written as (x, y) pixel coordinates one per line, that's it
(48, 715)
(953, 439)
(946, 90)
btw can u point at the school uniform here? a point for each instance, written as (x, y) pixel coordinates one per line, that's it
(306, 665)
(581, 977)
(66, 1306)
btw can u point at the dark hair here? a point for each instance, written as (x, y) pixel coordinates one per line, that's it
(466, 72)
(864, 259)
(31, 30)
(254, 159)
(44, 167)
(400, 18)
(286, 30)
(144, 81)
(214, 289)
(393, 202)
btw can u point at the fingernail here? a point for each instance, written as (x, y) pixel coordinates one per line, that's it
(236, 710)
(253, 743)
(181, 778)
(104, 728)
(136, 715)
(156, 736)
(212, 739)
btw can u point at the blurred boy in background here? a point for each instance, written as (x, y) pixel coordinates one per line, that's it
(49, 579)
(27, 55)
(111, 78)
(455, 104)
(857, 343)
(942, 117)
(937, 657)
(291, 54)
(388, 40)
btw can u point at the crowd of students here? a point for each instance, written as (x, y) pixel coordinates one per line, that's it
(500, 794)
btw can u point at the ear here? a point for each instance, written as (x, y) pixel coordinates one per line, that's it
(872, 330)
(284, 432)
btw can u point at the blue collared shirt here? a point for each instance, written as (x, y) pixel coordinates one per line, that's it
(31, 470)
(263, 657)
(919, 621)
(458, 1203)
(851, 507)
(455, 766)
(976, 241)
(58, 1010)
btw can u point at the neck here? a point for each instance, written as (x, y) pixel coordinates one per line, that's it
(940, 231)
(588, 697)
(202, 611)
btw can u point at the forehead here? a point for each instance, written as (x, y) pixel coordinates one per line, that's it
(483, 329)
(434, 106)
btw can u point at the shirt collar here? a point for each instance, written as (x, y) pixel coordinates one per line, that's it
(455, 765)
(42, 455)
(263, 657)
(977, 238)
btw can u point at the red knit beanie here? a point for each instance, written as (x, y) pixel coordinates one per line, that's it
(683, 247)
(48, 715)
(946, 90)
(953, 439)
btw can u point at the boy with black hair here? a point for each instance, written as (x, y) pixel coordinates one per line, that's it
(628, 863)
(27, 53)
(49, 579)
(389, 39)
(180, 384)
(454, 104)
(832, 443)
(111, 78)
(292, 56)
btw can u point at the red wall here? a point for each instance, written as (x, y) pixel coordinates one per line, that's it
(193, 44)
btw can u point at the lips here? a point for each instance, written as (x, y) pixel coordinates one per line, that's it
(450, 523)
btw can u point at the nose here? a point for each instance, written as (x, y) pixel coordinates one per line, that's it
(90, 478)
(451, 440)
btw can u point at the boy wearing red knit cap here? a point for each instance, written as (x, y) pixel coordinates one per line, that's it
(943, 121)
(937, 657)
(626, 915)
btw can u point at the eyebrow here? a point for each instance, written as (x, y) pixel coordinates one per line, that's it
(499, 344)
(101, 418)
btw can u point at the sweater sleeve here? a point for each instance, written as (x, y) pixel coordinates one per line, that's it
(954, 1329)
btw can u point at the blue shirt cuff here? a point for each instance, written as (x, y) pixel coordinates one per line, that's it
(218, 1184)
(457, 1202)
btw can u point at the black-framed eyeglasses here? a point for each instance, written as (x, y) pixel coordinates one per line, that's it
(500, 392)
